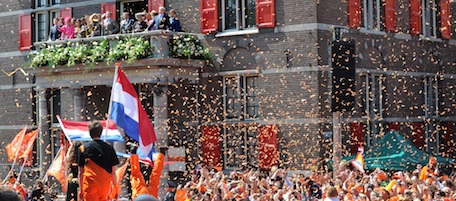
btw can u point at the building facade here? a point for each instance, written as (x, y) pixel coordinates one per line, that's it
(271, 72)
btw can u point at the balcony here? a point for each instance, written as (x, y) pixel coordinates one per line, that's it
(149, 57)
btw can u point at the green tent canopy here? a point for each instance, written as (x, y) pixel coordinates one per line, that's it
(394, 152)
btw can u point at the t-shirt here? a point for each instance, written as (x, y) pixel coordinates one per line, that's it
(99, 152)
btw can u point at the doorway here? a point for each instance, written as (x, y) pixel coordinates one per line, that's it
(133, 7)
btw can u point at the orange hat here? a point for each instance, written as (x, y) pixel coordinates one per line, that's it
(202, 189)
(381, 176)
(432, 160)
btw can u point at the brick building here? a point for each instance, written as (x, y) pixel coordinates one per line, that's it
(270, 73)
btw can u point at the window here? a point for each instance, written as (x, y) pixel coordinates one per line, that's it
(372, 93)
(431, 94)
(238, 14)
(240, 146)
(41, 3)
(431, 18)
(54, 2)
(239, 98)
(41, 27)
(373, 14)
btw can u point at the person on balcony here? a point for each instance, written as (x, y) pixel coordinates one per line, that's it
(95, 26)
(67, 30)
(174, 23)
(54, 33)
(126, 25)
(139, 25)
(111, 26)
(161, 21)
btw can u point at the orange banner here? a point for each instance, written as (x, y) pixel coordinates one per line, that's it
(268, 153)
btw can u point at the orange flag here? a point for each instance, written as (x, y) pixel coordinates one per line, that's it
(58, 168)
(22, 144)
(120, 172)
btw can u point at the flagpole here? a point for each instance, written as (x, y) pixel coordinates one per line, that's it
(110, 101)
(22, 168)
(63, 129)
(17, 152)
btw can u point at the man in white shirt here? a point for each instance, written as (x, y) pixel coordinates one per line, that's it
(161, 21)
(110, 24)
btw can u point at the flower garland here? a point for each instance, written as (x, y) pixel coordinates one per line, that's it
(188, 46)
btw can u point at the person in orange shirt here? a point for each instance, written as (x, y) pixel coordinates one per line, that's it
(138, 184)
(430, 170)
(97, 162)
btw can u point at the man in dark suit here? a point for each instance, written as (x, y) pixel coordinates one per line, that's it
(170, 191)
(174, 23)
(126, 25)
(111, 26)
(54, 34)
(161, 21)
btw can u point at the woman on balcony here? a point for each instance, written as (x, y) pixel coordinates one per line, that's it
(67, 30)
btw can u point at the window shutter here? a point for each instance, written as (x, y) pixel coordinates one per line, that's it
(418, 134)
(445, 24)
(415, 17)
(447, 139)
(357, 136)
(390, 14)
(25, 32)
(111, 7)
(265, 13)
(209, 16)
(394, 126)
(354, 13)
(268, 153)
(66, 12)
(210, 141)
(155, 4)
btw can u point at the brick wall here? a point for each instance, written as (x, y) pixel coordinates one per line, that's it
(332, 12)
(16, 107)
(8, 6)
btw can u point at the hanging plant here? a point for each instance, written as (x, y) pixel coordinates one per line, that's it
(186, 46)
(131, 49)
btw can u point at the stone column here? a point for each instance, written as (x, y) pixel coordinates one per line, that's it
(161, 127)
(77, 104)
(44, 138)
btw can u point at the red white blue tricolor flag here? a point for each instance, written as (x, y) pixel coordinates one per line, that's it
(128, 113)
(359, 160)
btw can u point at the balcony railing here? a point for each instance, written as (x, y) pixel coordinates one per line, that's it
(119, 47)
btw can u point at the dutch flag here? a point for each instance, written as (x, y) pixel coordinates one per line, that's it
(127, 112)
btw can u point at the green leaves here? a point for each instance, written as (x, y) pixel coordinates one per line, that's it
(131, 49)
(188, 46)
(127, 49)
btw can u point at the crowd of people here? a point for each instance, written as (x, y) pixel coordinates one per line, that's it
(96, 162)
(104, 24)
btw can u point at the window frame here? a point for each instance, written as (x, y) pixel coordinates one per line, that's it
(249, 135)
(430, 18)
(371, 12)
(241, 21)
(242, 95)
(36, 29)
